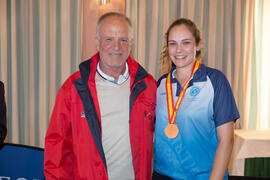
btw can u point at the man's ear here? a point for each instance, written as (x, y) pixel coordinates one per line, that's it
(131, 41)
(97, 43)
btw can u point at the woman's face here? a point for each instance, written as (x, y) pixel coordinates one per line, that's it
(182, 46)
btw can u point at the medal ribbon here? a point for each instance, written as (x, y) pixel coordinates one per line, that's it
(172, 110)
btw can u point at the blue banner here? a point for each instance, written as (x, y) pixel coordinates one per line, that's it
(20, 162)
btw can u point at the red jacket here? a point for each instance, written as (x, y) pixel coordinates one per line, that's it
(73, 147)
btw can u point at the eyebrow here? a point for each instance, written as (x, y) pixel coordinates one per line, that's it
(115, 37)
(182, 40)
(187, 40)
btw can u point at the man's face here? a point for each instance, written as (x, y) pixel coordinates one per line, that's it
(114, 43)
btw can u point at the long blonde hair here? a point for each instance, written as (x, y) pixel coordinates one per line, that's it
(165, 60)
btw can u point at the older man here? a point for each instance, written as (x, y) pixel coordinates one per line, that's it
(102, 123)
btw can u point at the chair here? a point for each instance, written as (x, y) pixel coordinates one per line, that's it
(20, 161)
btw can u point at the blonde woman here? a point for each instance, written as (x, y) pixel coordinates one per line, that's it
(195, 111)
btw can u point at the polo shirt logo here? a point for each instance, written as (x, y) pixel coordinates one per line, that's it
(82, 114)
(163, 93)
(194, 91)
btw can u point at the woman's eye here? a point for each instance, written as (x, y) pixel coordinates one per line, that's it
(186, 42)
(171, 43)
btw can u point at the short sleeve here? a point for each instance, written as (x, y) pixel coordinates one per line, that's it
(224, 106)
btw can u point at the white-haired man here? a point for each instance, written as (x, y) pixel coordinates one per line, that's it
(102, 123)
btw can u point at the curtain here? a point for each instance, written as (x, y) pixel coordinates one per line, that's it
(262, 54)
(230, 45)
(39, 48)
(260, 86)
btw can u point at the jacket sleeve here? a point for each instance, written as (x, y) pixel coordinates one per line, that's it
(3, 120)
(58, 156)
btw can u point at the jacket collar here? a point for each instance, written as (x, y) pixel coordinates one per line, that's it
(88, 69)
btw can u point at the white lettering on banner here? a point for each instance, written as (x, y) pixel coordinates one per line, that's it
(8, 178)
(4, 178)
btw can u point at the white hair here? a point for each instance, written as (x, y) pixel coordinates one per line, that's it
(111, 14)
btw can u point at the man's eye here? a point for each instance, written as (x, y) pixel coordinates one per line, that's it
(124, 40)
(108, 39)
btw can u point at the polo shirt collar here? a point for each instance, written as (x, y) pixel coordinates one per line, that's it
(121, 79)
(199, 76)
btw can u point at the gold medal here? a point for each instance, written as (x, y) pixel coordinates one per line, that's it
(171, 131)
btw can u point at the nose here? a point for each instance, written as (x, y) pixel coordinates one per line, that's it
(178, 48)
(116, 44)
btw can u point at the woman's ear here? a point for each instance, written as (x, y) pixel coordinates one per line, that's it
(199, 46)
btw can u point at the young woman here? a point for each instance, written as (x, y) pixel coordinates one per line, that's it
(195, 111)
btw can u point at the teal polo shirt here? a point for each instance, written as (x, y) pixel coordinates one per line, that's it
(207, 104)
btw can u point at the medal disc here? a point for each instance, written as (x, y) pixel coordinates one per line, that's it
(171, 131)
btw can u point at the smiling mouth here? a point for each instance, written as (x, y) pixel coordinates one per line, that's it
(180, 57)
(115, 54)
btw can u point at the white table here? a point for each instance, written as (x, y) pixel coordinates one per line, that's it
(248, 144)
